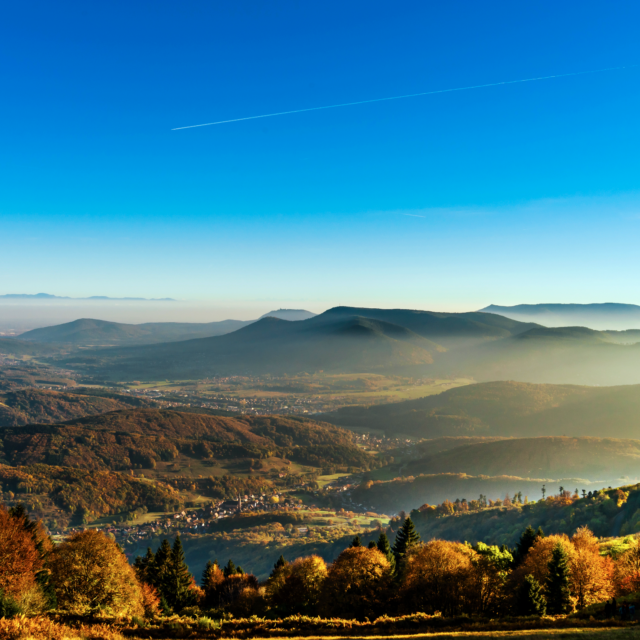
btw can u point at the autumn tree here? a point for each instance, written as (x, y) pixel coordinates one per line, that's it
(19, 561)
(490, 569)
(212, 579)
(536, 562)
(591, 575)
(438, 577)
(627, 571)
(296, 587)
(357, 584)
(91, 574)
(557, 586)
(530, 599)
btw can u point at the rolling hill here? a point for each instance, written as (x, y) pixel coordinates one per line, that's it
(609, 315)
(607, 460)
(89, 332)
(404, 494)
(340, 340)
(29, 406)
(145, 438)
(19, 347)
(505, 409)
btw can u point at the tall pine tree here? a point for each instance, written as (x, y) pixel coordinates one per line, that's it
(178, 580)
(230, 569)
(280, 564)
(558, 592)
(527, 540)
(406, 538)
(356, 542)
(530, 601)
(385, 548)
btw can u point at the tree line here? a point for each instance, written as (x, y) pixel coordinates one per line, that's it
(88, 574)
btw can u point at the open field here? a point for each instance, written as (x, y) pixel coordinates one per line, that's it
(328, 390)
(631, 633)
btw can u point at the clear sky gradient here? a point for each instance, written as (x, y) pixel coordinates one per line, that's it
(520, 193)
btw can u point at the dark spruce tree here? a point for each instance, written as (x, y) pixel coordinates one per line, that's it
(527, 540)
(385, 548)
(530, 601)
(230, 569)
(178, 580)
(281, 562)
(406, 538)
(372, 544)
(145, 567)
(558, 592)
(356, 542)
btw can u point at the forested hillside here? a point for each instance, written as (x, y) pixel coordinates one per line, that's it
(505, 409)
(607, 512)
(29, 406)
(141, 438)
(404, 494)
(81, 495)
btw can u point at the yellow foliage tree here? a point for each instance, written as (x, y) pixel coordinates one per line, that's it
(91, 574)
(357, 584)
(296, 586)
(591, 574)
(438, 577)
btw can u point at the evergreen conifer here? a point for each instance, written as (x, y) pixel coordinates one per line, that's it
(527, 540)
(355, 542)
(558, 593)
(178, 580)
(372, 544)
(278, 565)
(531, 602)
(406, 538)
(385, 548)
(230, 569)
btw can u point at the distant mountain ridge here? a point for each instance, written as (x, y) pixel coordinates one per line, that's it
(601, 316)
(49, 296)
(88, 332)
(92, 332)
(289, 314)
(342, 339)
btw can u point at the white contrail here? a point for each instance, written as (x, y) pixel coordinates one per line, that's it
(409, 95)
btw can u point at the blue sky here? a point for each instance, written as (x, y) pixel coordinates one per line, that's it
(520, 193)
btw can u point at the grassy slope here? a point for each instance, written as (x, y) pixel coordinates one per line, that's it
(506, 409)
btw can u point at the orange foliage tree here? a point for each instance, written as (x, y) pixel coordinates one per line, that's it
(19, 557)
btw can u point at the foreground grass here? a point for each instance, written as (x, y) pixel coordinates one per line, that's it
(22, 628)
